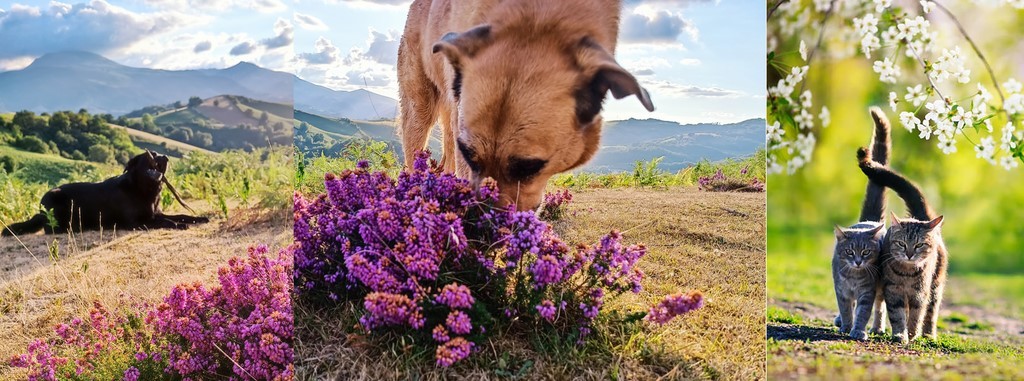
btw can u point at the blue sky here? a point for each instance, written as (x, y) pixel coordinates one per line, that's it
(701, 60)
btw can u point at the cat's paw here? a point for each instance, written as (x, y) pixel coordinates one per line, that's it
(838, 321)
(845, 329)
(900, 338)
(859, 335)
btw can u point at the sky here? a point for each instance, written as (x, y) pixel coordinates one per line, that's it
(159, 34)
(701, 60)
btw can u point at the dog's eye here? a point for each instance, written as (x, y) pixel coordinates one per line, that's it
(521, 169)
(469, 155)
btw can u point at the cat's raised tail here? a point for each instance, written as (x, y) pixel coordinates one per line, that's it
(910, 193)
(874, 198)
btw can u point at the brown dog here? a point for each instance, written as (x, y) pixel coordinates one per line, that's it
(517, 86)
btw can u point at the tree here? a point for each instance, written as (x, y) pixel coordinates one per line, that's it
(264, 119)
(194, 102)
(101, 154)
(32, 144)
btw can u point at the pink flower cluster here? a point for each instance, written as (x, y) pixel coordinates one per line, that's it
(719, 182)
(554, 205)
(428, 253)
(675, 305)
(242, 327)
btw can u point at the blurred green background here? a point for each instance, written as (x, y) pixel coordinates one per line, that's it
(983, 204)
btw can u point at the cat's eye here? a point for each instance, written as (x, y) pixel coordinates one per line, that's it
(920, 246)
(866, 253)
(849, 252)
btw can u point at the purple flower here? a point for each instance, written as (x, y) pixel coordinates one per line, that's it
(132, 374)
(547, 310)
(440, 334)
(675, 305)
(455, 295)
(454, 350)
(458, 322)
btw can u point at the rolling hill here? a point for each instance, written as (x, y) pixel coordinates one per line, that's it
(222, 122)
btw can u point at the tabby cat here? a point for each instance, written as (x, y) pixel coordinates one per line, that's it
(914, 258)
(855, 259)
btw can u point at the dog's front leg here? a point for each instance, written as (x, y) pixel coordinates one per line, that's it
(449, 133)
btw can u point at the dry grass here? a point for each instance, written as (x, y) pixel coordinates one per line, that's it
(714, 242)
(38, 292)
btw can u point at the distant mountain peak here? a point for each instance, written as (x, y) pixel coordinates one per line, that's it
(72, 58)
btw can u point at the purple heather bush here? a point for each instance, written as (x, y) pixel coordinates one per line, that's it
(240, 329)
(243, 327)
(555, 205)
(428, 255)
(719, 182)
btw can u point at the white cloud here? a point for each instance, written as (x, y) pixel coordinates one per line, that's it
(285, 35)
(691, 91)
(243, 48)
(202, 46)
(326, 53)
(309, 22)
(96, 27)
(690, 62)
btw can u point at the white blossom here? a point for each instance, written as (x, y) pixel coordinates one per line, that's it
(893, 99)
(916, 95)
(825, 117)
(803, 50)
(887, 70)
(986, 149)
(926, 6)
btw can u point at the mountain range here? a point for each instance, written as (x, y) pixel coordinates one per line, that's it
(75, 80)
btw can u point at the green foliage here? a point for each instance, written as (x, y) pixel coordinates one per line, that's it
(8, 164)
(311, 170)
(648, 174)
(70, 134)
(101, 154)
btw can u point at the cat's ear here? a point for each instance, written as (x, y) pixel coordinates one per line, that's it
(877, 231)
(935, 223)
(840, 233)
(895, 220)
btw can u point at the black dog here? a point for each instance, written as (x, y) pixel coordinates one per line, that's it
(129, 201)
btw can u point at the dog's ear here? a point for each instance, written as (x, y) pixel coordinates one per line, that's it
(131, 164)
(609, 75)
(456, 46)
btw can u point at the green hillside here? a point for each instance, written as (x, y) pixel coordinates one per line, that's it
(218, 123)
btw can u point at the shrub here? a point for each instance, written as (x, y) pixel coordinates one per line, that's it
(242, 329)
(429, 256)
(719, 182)
(555, 205)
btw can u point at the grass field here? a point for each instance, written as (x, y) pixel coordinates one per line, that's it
(697, 240)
